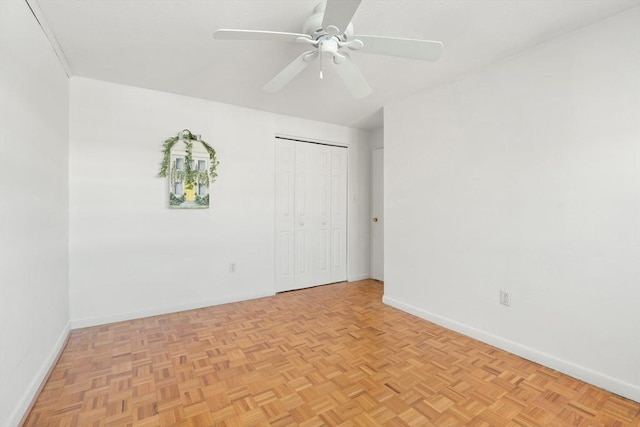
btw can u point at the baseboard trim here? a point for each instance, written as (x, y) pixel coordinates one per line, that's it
(356, 277)
(103, 320)
(20, 413)
(598, 379)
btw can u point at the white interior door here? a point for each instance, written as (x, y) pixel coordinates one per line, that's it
(377, 214)
(311, 214)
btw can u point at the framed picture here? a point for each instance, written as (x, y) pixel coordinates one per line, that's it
(189, 164)
(188, 177)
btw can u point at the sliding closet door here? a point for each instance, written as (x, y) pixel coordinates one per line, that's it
(311, 221)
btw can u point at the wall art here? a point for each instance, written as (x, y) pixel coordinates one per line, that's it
(189, 164)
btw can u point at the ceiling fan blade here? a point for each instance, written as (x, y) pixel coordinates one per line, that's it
(339, 13)
(290, 71)
(425, 50)
(352, 77)
(224, 34)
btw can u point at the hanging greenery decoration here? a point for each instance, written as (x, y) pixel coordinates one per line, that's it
(190, 176)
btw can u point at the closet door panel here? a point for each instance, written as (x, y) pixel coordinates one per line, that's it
(338, 266)
(322, 213)
(284, 216)
(303, 224)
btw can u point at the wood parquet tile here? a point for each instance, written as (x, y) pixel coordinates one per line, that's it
(327, 356)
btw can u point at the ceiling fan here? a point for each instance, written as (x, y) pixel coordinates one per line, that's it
(329, 33)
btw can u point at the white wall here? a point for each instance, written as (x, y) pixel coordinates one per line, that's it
(377, 138)
(376, 178)
(358, 243)
(34, 312)
(524, 176)
(132, 256)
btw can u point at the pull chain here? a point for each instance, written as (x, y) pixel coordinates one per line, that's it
(321, 55)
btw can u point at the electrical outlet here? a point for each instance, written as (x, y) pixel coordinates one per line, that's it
(505, 298)
(232, 267)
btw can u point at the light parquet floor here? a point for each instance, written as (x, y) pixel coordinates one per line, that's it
(325, 356)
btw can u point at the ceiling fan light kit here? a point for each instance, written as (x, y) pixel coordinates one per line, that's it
(329, 34)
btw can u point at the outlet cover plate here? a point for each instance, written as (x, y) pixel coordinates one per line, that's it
(505, 298)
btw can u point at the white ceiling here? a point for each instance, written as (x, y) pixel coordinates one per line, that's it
(167, 45)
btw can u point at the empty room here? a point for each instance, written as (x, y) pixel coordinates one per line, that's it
(338, 213)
